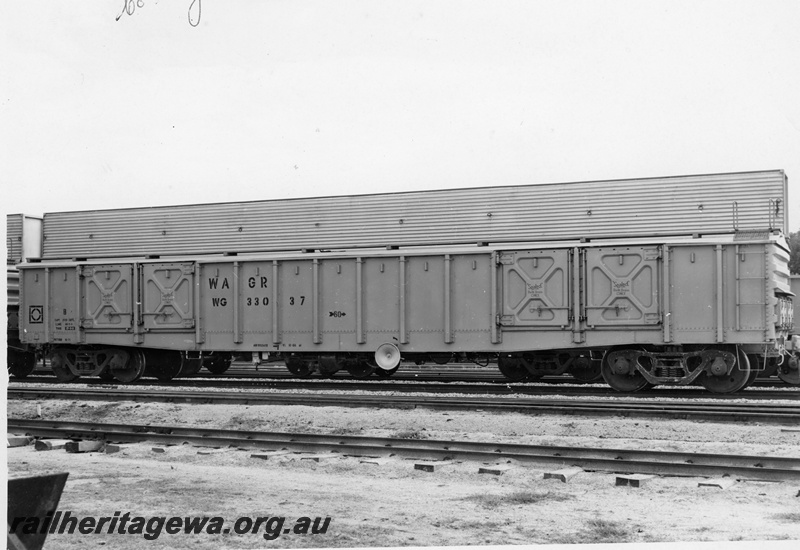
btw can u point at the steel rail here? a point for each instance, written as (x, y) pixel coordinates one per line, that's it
(726, 412)
(414, 386)
(630, 461)
(478, 375)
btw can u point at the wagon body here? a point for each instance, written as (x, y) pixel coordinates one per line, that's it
(723, 289)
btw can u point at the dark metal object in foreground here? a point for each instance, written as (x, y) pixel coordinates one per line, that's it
(29, 498)
(594, 459)
(723, 412)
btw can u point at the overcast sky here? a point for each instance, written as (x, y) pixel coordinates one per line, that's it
(288, 98)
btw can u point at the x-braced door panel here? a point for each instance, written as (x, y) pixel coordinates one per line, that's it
(108, 293)
(167, 296)
(536, 289)
(622, 286)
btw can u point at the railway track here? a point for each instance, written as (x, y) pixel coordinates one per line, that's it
(414, 386)
(722, 412)
(627, 461)
(250, 377)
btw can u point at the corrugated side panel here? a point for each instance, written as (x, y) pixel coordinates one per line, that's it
(13, 238)
(13, 286)
(618, 208)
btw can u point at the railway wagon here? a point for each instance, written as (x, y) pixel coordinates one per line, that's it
(676, 310)
(788, 371)
(23, 239)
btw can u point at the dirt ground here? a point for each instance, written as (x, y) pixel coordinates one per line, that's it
(394, 505)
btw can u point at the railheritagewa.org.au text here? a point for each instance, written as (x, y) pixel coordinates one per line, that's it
(269, 527)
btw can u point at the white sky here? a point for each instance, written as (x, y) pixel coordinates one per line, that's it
(286, 98)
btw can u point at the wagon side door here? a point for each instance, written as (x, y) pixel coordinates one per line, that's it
(536, 288)
(107, 297)
(167, 294)
(622, 286)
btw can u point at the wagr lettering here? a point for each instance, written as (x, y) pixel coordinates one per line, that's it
(213, 283)
(251, 282)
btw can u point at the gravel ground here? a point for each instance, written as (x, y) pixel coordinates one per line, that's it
(394, 505)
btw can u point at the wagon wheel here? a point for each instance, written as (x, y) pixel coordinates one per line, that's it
(164, 366)
(190, 365)
(620, 374)
(299, 367)
(20, 363)
(217, 364)
(512, 368)
(441, 358)
(789, 370)
(755, 362)
(133, 369)
(728, 383)
(58, 362)
(360, 369)
(380, 373)
(167, 370)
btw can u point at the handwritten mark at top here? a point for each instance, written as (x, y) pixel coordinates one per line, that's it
(193, 13)
(199, 12)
